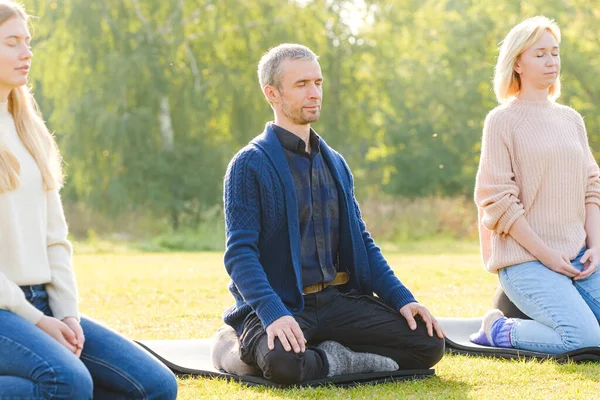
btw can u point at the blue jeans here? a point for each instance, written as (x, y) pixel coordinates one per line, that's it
(33, 365)
(564, 312)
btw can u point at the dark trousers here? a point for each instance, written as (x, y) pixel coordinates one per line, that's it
(362, 323)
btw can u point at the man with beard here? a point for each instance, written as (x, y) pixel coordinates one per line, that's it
(303, 268)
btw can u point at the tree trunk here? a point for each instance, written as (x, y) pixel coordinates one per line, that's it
(166, 129)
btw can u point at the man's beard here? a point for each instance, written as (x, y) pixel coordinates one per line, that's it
(297, 116)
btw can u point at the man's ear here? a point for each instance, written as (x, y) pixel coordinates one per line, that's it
(271, 93)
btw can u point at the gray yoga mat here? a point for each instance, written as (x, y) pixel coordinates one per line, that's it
(192, 357)
(458, 331)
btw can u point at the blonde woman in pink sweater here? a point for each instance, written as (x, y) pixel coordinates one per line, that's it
(538, 194)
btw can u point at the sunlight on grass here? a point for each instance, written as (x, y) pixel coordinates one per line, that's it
(182, 295)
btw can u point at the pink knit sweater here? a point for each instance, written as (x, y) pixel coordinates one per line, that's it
(535, 162)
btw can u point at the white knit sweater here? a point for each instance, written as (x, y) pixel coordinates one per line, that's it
(535, 162)
(33, 237)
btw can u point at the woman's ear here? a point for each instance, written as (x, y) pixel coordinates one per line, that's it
(517, 68)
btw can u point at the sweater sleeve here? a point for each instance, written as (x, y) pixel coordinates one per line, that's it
(385, 283)
(592, 192)
(62, 290)
(13, 299)
(242, 229)
(485, 238)
(496, 192)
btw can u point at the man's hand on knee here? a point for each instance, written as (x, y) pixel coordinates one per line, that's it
(411, 310)
(289, 333)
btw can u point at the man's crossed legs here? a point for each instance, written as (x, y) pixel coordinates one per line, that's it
(362, 323)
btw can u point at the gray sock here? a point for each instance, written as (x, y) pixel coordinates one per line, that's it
(343, 361)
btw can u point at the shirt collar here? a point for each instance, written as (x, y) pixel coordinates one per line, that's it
(293, 143)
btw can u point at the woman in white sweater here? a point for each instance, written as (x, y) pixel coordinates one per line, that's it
(46, 349)
(538, 194)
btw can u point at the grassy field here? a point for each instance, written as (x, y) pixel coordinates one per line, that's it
(182, 295)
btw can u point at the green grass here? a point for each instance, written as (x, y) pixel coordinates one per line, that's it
(182, 295)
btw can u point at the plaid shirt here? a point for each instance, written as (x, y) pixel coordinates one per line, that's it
(318, 207)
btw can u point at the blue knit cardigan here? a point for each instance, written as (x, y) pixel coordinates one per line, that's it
(262, 253)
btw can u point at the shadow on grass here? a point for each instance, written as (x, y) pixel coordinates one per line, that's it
(520, 377)
(431, 387)
(588, 370)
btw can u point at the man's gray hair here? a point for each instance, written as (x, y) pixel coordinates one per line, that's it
(269, 67)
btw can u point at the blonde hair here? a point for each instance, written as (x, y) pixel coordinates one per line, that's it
(507, 82)
(30, 127)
